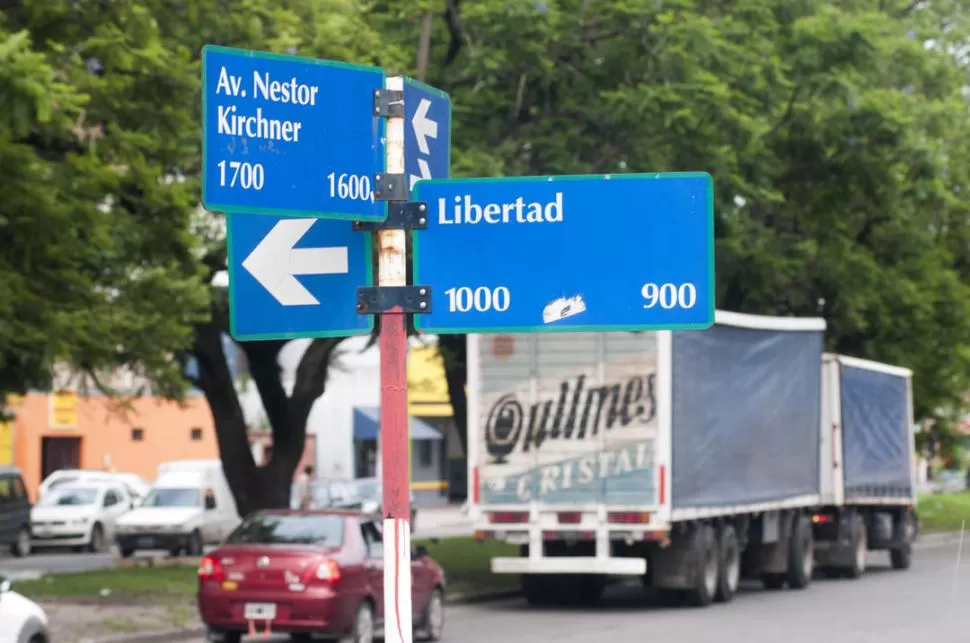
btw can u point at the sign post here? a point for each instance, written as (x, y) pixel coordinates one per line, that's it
(394, 438)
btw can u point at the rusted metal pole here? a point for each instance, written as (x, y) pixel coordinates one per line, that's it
(395, 474)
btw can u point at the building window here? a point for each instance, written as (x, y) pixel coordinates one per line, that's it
(196, 433)
(137, 435)
(424, 453)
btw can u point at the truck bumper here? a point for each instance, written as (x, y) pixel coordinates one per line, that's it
(571, 565)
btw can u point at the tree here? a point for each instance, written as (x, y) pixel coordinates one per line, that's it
(122, 152)
(836, 137)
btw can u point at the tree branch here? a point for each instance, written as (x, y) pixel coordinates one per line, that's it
(311, 378)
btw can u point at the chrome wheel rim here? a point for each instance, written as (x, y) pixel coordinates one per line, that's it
(860, 553)
(710, 571)
(436, 615)
(808, 559)
(732, 569)
(365, 626)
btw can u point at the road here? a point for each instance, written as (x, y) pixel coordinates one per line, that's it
(924, 603)
(432, 522)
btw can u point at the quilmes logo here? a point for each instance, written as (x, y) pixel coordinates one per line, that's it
(577, 413)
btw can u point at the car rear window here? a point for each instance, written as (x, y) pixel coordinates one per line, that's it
(300, 529)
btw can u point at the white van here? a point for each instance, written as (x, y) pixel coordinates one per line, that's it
(189, 506)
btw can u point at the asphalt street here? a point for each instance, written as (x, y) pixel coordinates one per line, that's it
(926, 602)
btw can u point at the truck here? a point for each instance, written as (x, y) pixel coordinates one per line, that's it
(689, 459)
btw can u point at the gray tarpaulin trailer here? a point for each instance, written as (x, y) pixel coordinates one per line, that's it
(688, 458)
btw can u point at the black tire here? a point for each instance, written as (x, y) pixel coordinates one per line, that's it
(362, 631)
(801, 554)
(97, 543)
(591, 588)
(433, 617)
(195, 545)
(901, 558)
(773, 581)
(729, 565)
(22, 546)
(705, 566)
(860, 548)
(536, 590)
(125, 552)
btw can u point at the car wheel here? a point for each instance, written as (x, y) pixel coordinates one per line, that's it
(96, 544)
(433, 619)
(125, 552)
(363, 628)
(195, 544)
(21, 547)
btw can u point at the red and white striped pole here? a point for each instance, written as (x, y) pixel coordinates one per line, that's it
(395, 473)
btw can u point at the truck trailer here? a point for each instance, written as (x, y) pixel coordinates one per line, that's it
(689, 459)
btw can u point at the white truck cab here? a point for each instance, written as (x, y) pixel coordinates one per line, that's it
(189, 506)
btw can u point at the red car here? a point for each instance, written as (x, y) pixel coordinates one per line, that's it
(310, 573)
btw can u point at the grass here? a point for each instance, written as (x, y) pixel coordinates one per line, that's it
(944, 511)
(466, 563)
(161, 584)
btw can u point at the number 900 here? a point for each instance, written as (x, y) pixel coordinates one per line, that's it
(669, 295)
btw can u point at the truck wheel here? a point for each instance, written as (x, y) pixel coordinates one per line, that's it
(860, 548)
(591, 587)
(801, 554)
(729, 571)
(536, 590)
(902, 557)
(704, 555)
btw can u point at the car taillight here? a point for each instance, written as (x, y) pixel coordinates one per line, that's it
(210, 569)
(821, 519)
(326, 572)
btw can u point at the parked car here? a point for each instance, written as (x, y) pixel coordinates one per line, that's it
(21, 619)
(189, 507)
(310, 573)
(82, 515)
(14, 512)
(136, 486)
(366, 496)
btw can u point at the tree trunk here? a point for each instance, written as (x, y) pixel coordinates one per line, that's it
(454, 350)
(265, 487)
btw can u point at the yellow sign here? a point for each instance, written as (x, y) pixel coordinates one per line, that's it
(63, 411)
(427, 387)
(6, 442)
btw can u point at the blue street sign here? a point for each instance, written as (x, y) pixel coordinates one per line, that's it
(427, 132)
(291, 278)
(289, 136)
(568, 253)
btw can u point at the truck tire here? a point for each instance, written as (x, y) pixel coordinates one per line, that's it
(801, 554)
(536, 590)
(729, 568)
(705, 561)
(902, 557)
(859, 544)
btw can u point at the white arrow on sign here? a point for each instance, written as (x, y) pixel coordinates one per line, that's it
(274, 262)
(424, 126)
(425, 172)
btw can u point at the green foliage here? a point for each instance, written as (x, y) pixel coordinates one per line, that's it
(838, 139)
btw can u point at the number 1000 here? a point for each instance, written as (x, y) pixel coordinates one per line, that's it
(482, 299)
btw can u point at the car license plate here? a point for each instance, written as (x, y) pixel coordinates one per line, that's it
(260, 611)
(146, 542)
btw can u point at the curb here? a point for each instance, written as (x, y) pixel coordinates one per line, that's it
(481, 597)
(151, 636)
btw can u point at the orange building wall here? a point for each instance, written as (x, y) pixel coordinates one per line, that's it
(106, 434)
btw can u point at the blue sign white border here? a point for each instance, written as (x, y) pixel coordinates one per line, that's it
(546, 328)
(445, 96)
(290, 213)
(301, 334)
